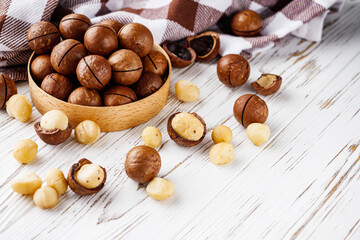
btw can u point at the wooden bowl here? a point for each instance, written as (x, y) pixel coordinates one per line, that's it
(110, 119)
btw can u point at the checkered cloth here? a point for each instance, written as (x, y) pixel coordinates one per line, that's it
(167, 20)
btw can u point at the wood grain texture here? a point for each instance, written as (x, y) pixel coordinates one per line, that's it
(108, 118)
(302, 184)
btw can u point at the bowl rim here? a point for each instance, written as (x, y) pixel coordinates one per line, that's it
(156, 47)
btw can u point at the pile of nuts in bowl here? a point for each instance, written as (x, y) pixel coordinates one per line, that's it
(113, 77)
(105, 64)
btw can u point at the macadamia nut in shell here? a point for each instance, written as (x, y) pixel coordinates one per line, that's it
(54, 119)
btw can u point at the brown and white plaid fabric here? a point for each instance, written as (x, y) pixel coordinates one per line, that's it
(167, 19)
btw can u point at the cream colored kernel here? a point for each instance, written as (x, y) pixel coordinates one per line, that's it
(187, 126)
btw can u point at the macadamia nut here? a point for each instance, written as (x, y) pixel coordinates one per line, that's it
(27, 183)
(151, 136)
(54, 119)
(160, 188)
(19, 107)
(87, 132)
(46, 197)
(258, 133)
(25, 151)
(186, 91)
(55, 178)
(187, 126)
(90, 175)
(221, 153)
(221, 133)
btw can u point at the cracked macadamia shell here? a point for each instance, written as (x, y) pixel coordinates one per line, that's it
(57, 86)
(267, 84)
(53, 137)
(155, 62)
(119, 95)
(74, 184)
(233, 70)
(41, 67)
(116, 25)
(180, 56)
(189, 126)
(206, 45)
(142, 164)
(250, 108)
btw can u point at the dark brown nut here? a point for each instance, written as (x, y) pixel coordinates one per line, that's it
(100, 40)
(7, 89)
(142, 164)
(116, 25)
(206, 45)
(250, 108)
(74, 183)
(54, 136)
(186, 129)
(41, 67)
(57, 86)
(136, 37)
(246, 23)
(94, 71)
(147, 84)
(119, 95)
(74, 26)
(267, 84)
(42, 37)
(180, 56)
(126, 67)
(233, 70)
(85, 96)
(66, 55)
(155, 62)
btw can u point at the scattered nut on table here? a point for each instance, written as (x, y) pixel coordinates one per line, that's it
(186, 91)
(160, 188)
(151, 137)
(233, 70)
(87, 132)
(250, 108)
(25, 151)
(186, 129)
(19, 107)
(54, 127)
(221, 133)
(258, 133)
(221, 153)
(7, 89)
(55, 178)
(26, 183)
(267, 84)
(142, 164)
(46, 197)
(86, 178)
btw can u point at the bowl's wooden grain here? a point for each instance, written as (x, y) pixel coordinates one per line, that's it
(109, 118)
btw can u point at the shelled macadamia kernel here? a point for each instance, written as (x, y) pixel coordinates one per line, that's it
(151, 136)
(221, 153)
(25, 151)
(258, 133)
(160, 188)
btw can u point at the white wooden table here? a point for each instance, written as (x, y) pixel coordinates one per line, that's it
(304, 183)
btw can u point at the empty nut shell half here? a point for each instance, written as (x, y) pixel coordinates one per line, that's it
(250, 108)
(181, 140)
(53, 137)
(206, 45)
(267, 84)
(180, 56)
(75, 186)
